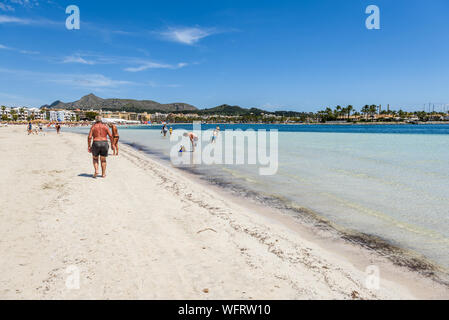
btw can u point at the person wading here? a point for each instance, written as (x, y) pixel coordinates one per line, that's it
(100, 147)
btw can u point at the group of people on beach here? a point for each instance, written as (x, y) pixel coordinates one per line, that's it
(97, 142)
(194, 139)
(39, 128)
(165, 130)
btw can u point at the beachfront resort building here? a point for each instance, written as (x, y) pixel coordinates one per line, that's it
(21, 114)
(5, 113)
(61, 116)
(129, 116)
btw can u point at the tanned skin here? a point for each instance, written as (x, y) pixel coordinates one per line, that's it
(192, 138)
(116, 137)
(99, 132)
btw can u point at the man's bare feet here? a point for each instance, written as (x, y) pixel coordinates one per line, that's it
(95, 175)
(103, 176)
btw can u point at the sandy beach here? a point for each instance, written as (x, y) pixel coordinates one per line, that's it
(148, 231)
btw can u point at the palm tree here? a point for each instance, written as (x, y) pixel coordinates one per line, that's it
(349, 109)
(372, 110)
(365, 111)
(338, 111)
(14, 115)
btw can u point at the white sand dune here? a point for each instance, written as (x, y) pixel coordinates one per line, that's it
(150, 232)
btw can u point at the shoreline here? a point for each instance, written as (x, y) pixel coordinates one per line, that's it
(312, 222)
(412, 260)
(205, 239)
(348, 244)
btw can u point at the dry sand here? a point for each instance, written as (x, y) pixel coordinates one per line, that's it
(149, 232)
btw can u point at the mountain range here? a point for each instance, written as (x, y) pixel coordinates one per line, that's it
(93, 102)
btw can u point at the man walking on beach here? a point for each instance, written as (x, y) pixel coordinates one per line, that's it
(100, 147)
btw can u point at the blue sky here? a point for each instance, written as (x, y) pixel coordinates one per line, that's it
(297, 55)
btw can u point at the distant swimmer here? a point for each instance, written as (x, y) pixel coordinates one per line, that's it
(193, 139)
(100, 147)
(171, 130)
(215, 135)
(164, 130)
(116, 137)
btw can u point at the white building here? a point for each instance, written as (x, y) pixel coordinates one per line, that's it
(62, 116)
(23, 114)
(36, 114)
(5, 113)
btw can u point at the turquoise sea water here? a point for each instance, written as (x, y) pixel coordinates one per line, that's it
(390, 181)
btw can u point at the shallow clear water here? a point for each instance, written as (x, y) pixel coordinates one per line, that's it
(390, 181)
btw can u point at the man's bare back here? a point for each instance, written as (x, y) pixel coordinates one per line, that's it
(100, 132)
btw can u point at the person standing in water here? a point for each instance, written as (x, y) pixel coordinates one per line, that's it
(193, 139)
(100, 147)
(215, 135)
(115, 135)
(164, 130)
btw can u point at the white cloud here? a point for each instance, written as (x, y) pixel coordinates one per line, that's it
(17, 50)
(6, 7)
(4, 19)
(75, 80)
(28, 52)
(187, 35)
(77, 59)
(11, 19)
(90, 81)
(153, 65)
(24, 3)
